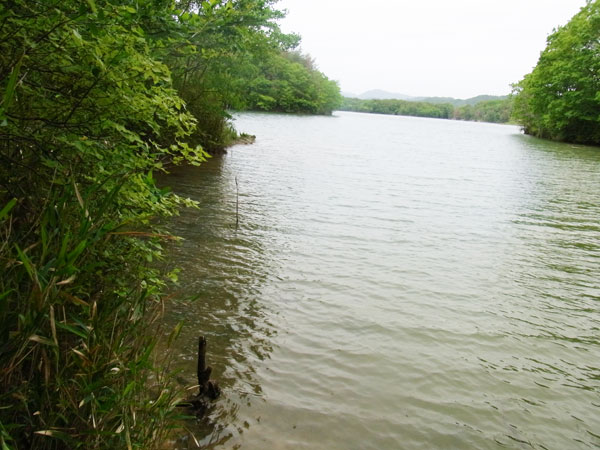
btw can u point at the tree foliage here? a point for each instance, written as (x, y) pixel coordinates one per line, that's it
(560, 98)
(88, 113)
(398, 107)
(288, 81)
(231, 54)
(95, 97)
(498, 111)
(494, 111)
(215, 43)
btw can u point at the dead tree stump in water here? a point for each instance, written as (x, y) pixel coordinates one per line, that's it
(207, 389)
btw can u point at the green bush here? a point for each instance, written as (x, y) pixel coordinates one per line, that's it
(97, 96)
(87, 115)
(559, 99)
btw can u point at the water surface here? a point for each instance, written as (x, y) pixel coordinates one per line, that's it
(393, 282)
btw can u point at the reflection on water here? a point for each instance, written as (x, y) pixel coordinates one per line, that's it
(394, 283)
(224, 267)
(551, 290)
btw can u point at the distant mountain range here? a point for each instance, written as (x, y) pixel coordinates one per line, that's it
(378, 94)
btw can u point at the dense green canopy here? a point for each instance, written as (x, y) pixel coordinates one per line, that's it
(560, 98)
(96, 96)
(498, 110)
(289, 82)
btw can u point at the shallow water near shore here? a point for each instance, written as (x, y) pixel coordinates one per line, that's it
(371, 281)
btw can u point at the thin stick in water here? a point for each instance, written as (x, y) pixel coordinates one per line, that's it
(237, 204)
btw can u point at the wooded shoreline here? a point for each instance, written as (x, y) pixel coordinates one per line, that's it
(97, 98)
(494, 111)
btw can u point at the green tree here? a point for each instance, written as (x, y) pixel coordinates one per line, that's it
(560, 98)
(495, 111)
(95, 97)
(87, 114)
(218, 42)
(288, 81)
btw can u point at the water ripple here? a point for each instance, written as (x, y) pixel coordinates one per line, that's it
(395, 283)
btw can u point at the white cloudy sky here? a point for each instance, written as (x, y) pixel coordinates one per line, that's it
(457, 48)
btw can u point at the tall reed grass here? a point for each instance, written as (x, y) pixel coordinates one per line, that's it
(77, 367)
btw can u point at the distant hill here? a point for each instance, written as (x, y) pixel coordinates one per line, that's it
(483, 108)
(461, 102)
(378, 94)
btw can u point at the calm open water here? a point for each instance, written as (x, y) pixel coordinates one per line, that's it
(393, 283)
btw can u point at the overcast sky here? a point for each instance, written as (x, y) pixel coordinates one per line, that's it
(455, 48)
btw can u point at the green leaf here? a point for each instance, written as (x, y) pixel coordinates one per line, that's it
(26, 262)
(9, 92)
(63, 247)
(175, 333)
(71, 256)
(78, 37)
(92, 6)
(72, 329)
(128, 389)
(10, 205)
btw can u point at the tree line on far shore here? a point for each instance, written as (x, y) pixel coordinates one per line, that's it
(497, 111)
(96, 97)
(558, 100)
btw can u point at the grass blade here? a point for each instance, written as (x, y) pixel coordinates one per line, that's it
(10, 205)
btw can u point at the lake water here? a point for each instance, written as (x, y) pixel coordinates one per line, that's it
(393, 282)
